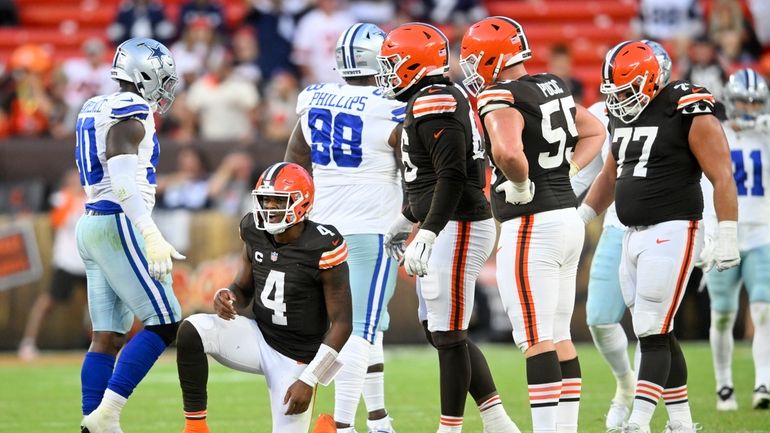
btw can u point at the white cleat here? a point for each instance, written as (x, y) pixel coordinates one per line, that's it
(506, 427)
(617, 415)
(677, 427)
(761, 398)
(634, 428)
(100, 421)
(726, 399)
(384, 425)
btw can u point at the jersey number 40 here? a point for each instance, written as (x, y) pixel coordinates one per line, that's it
(335, 138)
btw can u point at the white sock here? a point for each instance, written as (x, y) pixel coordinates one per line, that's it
(112, 401)
(346, 430)
(647, 396)
(760, 348)
(374, 384)
(349, 382)
(678, 406)
(721, 339)
(493, 415)
(612, 343)
(450, 424)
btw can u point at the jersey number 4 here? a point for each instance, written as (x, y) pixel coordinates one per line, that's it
(337, 138)
(635, 135)
(741, 175)
(274, 285)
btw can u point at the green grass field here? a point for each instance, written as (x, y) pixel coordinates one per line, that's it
(44, 397)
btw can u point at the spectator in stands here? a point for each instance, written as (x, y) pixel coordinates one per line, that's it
(246, 54)
(760, 11)
(275, 23)
(192, 52)
(195, 10)
(87, 76)
(24, 101)
(231, 184)
(672, 21)
(140, 19)
(314, 43)
(69, 272)
(703, 66)
(733, 33)
(224, 103)
(373, 11)
(279, 114)
(187, 187)
(61, 118)
(560, 64)
(8, 14)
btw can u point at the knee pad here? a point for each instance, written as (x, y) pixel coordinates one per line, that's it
(449, 339)
(166, 332)
(655, 343)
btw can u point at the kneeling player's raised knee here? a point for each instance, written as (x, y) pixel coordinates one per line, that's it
(187, 337)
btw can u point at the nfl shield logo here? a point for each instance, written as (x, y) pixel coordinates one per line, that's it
(274, 256)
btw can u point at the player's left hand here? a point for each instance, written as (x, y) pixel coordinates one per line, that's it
(726, 252)
(395, 238)
(298, 398)
(418, 252)
(706, 259)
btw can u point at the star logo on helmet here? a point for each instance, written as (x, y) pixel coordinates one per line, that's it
(157, 53)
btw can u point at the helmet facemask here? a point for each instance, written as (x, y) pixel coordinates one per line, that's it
(474, 82)
(275, 211)
(627, 102)
(388, 79)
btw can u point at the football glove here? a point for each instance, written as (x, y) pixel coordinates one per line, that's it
(586, 213)
(706, 259)
(418, 252)
(726, 252)
(159, 253)
(517, 193)
(395, 238)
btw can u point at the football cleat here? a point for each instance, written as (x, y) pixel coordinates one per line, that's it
(383, 425)
(631, 428)
(617, 415)
(101, 421)
(677, 427)
(761, 399)
(509, 427)
(726, 399)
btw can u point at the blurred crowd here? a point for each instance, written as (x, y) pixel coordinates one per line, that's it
(239, 78)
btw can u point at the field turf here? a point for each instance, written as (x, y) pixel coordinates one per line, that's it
(44, 397)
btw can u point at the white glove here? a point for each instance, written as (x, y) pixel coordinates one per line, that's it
(517, 193)
(395, 238)
(586, 213)
(418, 252)
(726, 252)
(159, 253)
(706, 258)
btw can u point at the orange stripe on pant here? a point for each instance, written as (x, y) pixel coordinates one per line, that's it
(521, 269)
(458, 275)
(681, 281)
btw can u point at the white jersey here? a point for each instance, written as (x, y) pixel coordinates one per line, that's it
(750, 153)
(358, 184)
(94, 121)
(585, 177)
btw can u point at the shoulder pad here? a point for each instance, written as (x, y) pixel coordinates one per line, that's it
(493, 98)
(125, 105)
(691, 99)
(333, 246)
(436, 99)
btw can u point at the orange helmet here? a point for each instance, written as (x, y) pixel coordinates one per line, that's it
(32, 57)
(282, 197)
(489, 46)
(409, 53)
(629, 79)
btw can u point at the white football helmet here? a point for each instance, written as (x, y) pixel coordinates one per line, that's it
(149, 65)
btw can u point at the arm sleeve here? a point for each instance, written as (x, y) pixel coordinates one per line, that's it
(445, 140)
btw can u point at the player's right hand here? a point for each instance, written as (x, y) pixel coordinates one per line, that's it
(223, 304)
(159, 254)
(517, 193)
(706, 259)
(395, 238)
(298, 398)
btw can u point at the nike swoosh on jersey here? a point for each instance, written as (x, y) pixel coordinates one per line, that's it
(661, 241)
(438, 133)
(434, 90)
